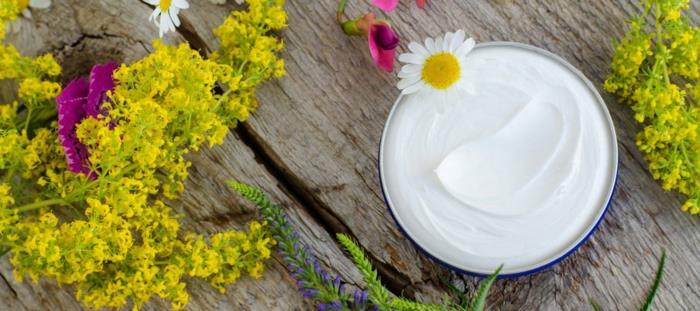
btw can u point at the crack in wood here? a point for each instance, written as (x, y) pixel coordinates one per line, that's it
(8, 285)
(395, 281)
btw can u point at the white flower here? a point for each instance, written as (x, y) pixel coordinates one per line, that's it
(36, 4)
(165, 14)
(437, 65)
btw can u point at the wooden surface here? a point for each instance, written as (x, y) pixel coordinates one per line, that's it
(313, 146)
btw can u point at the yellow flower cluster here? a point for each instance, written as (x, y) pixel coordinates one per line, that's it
(111, 234)
(248, 48)
(656, 68)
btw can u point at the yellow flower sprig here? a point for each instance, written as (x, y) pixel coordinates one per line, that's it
(112, 235)
(656, 68)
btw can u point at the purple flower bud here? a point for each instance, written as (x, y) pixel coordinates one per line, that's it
(310, 293)
(336, 281)
(335, 304)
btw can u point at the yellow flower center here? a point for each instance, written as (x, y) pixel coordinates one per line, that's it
(165, 5)
(441, 70)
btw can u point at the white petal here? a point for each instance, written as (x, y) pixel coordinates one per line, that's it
(465, 48)
(175, 18)
(403, 74)
(165, 23)
(152, 2)
(406, 82)
(457, 40)
(417, 48)
(40, 4)
(438, 44)
(411, 68)
(411, 58)
(171, 26)
(430, 45)
(414, 88)
(154, 16)
(181, 4)
(447, 42)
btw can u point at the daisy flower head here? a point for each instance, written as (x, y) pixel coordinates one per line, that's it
(438, 65)
(165, 14)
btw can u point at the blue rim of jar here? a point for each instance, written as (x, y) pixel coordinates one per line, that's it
(590, 232)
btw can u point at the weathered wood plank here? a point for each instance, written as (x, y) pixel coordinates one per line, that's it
(334, 112)
(101, 31)
(317, 133)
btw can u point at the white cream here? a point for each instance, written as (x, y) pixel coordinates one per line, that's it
(513, 166)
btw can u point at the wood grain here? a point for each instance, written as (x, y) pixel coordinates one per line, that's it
(313, 145)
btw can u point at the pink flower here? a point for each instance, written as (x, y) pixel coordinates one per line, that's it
(386, 5)
(382, 45)
(420, 3)
(79, 100)
(381, 38)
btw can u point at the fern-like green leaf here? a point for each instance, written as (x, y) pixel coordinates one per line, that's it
(479, 301)
(403, 304)
(657, 282)
(252, 194)
(378, 294)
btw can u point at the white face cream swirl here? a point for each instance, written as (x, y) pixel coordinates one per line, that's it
(513, 165)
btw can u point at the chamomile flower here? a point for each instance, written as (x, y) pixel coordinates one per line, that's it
(165, 14)
(438, 65)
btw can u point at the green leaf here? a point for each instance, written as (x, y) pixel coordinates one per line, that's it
(378, 294)
(657, 282)
(403, 304)
(479, 301)
(594, 305)
(463, 300)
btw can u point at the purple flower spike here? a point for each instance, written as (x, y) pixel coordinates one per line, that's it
(82, 98)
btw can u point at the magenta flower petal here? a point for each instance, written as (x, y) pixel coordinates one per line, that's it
(101, 82)
(384, 36)
(70, 105)
(382, 45)
(386, 5)
(79, 100)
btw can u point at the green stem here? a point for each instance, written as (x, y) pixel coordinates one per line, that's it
(660, 40)
(341, 10)
(29, 117)
(40, 204)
